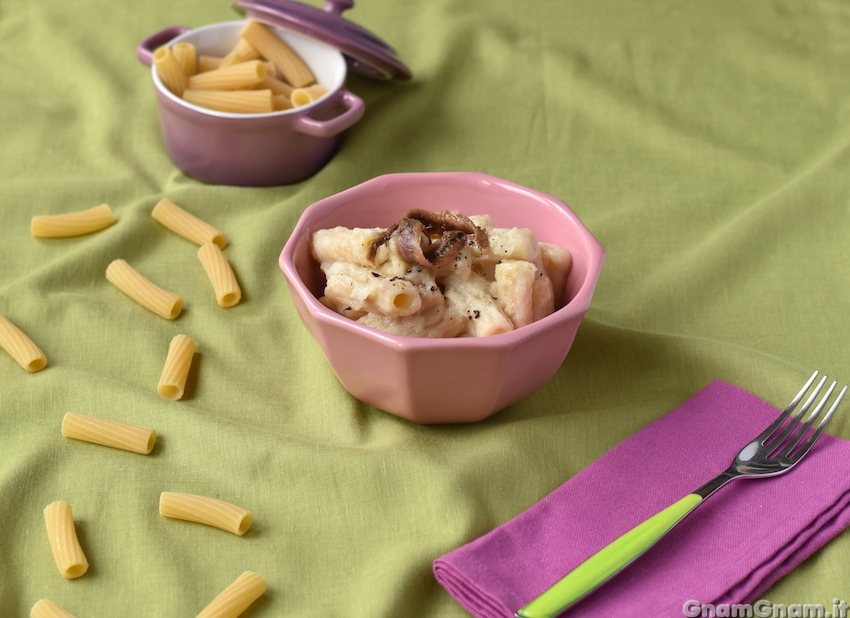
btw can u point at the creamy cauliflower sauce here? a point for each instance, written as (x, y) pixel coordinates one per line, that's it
(441, 274)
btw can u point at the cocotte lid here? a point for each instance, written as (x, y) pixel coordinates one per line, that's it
(365, 53)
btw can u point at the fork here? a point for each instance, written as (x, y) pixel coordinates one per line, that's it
(775, 451)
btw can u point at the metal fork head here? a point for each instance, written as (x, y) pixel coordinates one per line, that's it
(787, 440)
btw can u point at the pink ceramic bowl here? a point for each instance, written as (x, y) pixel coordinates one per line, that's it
(253, 149)
(442, 380)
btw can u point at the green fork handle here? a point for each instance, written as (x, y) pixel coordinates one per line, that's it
(607, 561)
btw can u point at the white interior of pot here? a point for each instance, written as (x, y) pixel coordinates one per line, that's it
(327, 63)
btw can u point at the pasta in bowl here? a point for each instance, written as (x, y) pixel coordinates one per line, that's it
(477, 375)
(440, 274)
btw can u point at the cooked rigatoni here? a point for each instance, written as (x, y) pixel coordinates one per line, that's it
(203, 510)
(293, 69)
(237, 597)
(557, 261)
(170, 70)
(149, 295)
(232, 101)
(233, 77)
(186, 224)
(514, 281)
(62, 534)
(302, 96)
(542, 295)
(21, 347)
(48, 609)
(187, 56)
(178, 361)
(109, 433)
(72, 223)
(225, 286)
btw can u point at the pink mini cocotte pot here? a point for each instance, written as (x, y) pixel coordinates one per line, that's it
(279, 147)
(428, 380)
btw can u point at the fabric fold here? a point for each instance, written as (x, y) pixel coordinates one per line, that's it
(729, 550)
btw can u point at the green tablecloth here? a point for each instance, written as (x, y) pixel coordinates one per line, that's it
(706, 145)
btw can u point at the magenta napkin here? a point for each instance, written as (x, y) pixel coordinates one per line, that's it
(729, 550)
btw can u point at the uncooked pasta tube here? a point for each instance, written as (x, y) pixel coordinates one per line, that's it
(203, 510)
(232, 101)
(281, 102)
(277, 86)
(187, 56)
(170, 70)
(186, 224)
(302, 96)
(109, 433)
(241, 52)
(48, 609)
(233, 77)
(62, 534)
(149, 295)
(72, 223)
(237, 597)
(21, 347)
(273, 48)
(225, 286)
(208, 63)
(172, 381)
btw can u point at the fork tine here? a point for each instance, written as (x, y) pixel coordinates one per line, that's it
(798, 436)
(802, 392)
(774, 443)
(787, 412)
(813, 438)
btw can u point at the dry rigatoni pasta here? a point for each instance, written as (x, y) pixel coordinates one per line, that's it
(187, 56)
(170, 70)
(21, 347)
(72, 223)
(178, 361)
(277, 86)
(218, 269)
(281, 102)
(203, 510)
(232, 101)
(261, 74)
(62, 534)
(48, 609)
(149, 295)
(237, 597)
(303, 96)
(243, 51)
(109, 433)
(208, 63)
(186, 224)
(293, 69)
(234, 77)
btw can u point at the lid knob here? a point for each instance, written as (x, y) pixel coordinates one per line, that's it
(338, 6)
